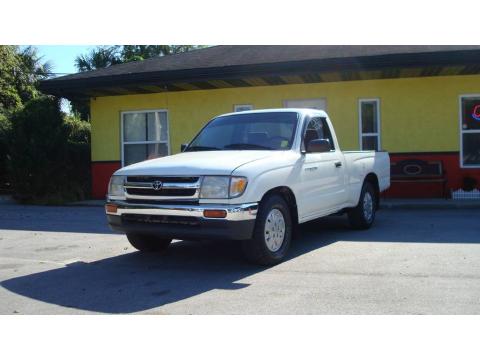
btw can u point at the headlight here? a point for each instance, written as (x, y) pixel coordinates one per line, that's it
(115, 186)
(215, 187)
(222, 187)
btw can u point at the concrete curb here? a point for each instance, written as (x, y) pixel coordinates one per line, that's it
(6, 199)
(430, 204)
(423, 204)
(88, 203)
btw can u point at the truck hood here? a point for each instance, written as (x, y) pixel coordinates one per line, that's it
(196, 163)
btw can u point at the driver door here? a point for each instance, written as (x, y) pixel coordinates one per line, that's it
(322, 173)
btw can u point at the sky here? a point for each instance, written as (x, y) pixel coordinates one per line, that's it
(62, 57)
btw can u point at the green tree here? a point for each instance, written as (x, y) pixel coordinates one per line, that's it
(9, 62)
(81, 108)
(5, 128)
(50, 154)
(32, 70)
(104, 56)
(100, 57)
(142, 52)
(21, 69)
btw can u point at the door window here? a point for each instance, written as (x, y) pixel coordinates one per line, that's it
(317, 128)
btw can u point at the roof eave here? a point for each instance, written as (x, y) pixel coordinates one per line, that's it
(71, 87)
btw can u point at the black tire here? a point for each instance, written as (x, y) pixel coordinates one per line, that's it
(359, 216)
(256, 249)
(148, 243)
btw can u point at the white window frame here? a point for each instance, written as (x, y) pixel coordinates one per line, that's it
(323, 99)
(361, 134)
(238, 106)
(462, 131)
(123, 142)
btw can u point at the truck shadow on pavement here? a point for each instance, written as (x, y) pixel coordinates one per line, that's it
(73, 219)
(137, 282)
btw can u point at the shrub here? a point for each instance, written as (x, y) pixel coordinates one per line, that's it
(78, 130)
(5, 128)
(469, 183)
(78, 155)
(49, 153)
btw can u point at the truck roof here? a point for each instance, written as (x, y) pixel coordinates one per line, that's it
(302, 111)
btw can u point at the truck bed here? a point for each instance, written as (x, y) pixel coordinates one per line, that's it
(361, 163)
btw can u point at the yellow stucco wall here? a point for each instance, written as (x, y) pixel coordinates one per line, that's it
(417, 114)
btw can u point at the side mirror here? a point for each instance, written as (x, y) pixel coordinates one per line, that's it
(319, 145)
(183, 147)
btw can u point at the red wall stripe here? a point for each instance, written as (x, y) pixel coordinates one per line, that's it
(454, 174)
(101, 172)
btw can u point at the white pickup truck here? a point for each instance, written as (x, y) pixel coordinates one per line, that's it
(251, 176)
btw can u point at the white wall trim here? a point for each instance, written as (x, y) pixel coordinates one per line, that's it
(236, 107)
(379, 123)
(461, 131)
(324, 99)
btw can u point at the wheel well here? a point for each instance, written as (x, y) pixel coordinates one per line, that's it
(373, 179)
(288, 196)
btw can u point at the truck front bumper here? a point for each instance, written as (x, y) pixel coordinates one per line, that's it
(185, 222)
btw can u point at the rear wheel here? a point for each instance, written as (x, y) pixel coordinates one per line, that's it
(148, 243)
(272, 234)
(363, 215)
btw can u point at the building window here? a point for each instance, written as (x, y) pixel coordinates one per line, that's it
(245, 107)
(144, 135)
(470, 130)
(369, 124)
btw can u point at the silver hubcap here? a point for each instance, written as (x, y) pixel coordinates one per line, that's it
(274, 230)
(368, 207)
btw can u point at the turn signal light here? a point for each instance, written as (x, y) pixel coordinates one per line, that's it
(218, 214)
(111, 208)
(237, 186)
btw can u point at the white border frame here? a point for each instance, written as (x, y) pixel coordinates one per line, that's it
(324, 98)
(122, 142)
(379, 123)
(461, 131)
(239, 105)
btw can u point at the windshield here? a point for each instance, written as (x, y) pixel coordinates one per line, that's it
(252, 131)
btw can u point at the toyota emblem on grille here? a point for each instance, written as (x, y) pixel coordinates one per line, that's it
(157, 185)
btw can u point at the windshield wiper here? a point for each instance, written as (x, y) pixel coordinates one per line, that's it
(245, 146)
(201, 148)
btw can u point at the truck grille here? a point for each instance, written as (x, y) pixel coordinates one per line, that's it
(162, 187)
(165, 179)
(162, 192)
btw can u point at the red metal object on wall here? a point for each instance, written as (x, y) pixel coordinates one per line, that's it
(101, 173)
(451, 166)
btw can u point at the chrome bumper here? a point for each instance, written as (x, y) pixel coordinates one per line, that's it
(237, 212)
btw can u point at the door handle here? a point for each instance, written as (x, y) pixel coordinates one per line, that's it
(338, 164)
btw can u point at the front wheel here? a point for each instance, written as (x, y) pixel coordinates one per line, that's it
(362, 216)
(148, 243)
(272, 234)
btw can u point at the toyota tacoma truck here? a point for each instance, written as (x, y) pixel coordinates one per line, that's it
(252, 177)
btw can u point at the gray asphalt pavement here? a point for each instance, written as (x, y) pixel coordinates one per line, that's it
(65, 260)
